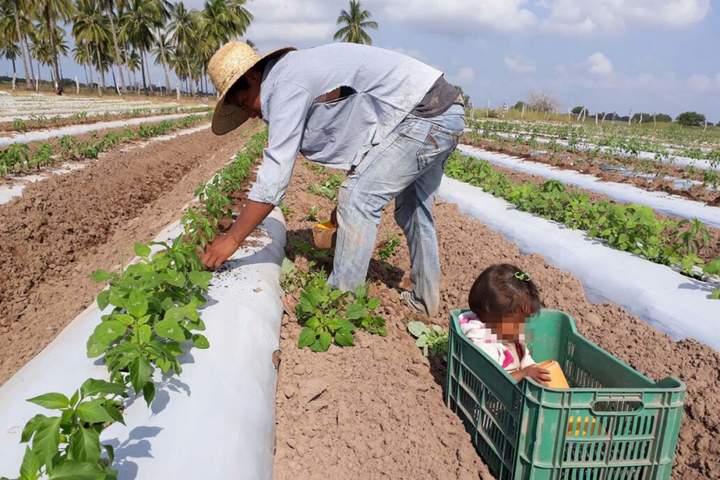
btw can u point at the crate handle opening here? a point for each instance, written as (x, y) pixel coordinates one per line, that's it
(617, 407)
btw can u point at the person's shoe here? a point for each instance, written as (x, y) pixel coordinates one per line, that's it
(413, 302)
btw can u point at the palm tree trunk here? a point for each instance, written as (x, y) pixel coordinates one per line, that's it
(112, 70)
(117, 49)
(25, 53)
(102, 73)
(164, 62)
(51, 33)
(87, 77)
(142, 70)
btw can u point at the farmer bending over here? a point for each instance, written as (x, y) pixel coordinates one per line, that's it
(388, 119)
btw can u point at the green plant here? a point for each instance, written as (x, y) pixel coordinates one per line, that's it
(328, 188)
(14, 158)
(285, 210)
(388, 247)
(692, 236)
(312, 214)
(153, 320)
(19, 124)
(329, 315)
(433, 340)
(42, 156)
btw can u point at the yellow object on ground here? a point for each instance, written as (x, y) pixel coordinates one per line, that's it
(557, 377)
(324, 235)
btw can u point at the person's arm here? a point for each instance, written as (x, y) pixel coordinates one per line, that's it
(286, 109)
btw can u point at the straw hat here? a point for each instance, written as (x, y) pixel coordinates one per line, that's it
(227, 66)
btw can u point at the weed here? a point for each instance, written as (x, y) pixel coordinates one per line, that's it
(433, 340)
(328, 188)
(388, 247)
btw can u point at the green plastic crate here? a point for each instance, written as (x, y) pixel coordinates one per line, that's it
(613, 423)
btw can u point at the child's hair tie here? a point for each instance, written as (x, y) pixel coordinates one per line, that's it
(522, 276)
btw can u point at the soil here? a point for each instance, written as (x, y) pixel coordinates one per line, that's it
(583, 163)
(376, 410)
(67, 226)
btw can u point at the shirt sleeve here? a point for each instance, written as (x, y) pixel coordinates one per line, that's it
(286, 109)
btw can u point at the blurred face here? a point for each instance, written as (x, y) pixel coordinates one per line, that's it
(248, 98)
(509, 327)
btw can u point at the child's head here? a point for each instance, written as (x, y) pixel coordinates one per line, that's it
(503, 297)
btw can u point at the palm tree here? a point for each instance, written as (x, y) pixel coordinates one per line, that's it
(49, 12)
(133, 64)
(82, 56)
(109, 7)
(92, 27)
(12, 13)
(162, 50)
(355, 22)
(183, 27)
(241, 16)
(138, 22)
(47, 47)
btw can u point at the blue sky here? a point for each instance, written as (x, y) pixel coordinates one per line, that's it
(615, 55)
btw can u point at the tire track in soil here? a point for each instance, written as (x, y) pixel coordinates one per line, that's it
(376, 410)
(64, 228)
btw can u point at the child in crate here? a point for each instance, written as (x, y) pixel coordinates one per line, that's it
(500, 300)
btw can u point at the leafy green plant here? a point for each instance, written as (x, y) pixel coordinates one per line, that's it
(329, 315)
(152, 318)
(328, 188)
(19, 124)
(285, 209)
(14, 158)
(42, 156)
(312, 214)
(388, 247)
(433, 340)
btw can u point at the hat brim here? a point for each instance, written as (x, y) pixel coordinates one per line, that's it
(228, 117)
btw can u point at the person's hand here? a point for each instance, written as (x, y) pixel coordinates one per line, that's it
(217, 252)
(537, 373)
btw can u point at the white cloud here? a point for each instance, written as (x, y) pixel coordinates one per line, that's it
(462, 76)
(577, 17)
(703, 83)
(599, 64)
(459, 16)
(283, 22)
(518, 65)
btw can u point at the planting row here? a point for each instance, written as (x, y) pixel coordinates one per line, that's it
(659, 201)
(632, 228)
(20, 158)
(152, 321)
(616, 144)
(37, 122)
(672, 136)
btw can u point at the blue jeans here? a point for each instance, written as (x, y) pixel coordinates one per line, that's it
(407, 166)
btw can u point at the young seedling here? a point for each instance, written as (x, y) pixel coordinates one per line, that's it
(312, 214)
(388, 248)
(328, 188)
(433, 340)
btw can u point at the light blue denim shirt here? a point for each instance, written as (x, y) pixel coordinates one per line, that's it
(387, 86)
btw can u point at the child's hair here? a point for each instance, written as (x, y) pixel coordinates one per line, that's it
(503, 289)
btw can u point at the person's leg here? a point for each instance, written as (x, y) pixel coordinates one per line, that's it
(386, 170)
(413, 211)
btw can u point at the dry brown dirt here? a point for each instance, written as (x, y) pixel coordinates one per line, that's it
(376, 410)
(67, 226)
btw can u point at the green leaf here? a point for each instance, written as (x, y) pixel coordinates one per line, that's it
(149, 392)
(355, 311)
(30, 466)
(72, 470)
(92, 387)
(170, 329)
(105, 333)
(46, 440)
(140, 373)
(85, 445)
(110, 452)
(142, 250)
(325, 340)
(100, 276)
(137, 303)
(715, 295)
(417, 328)
(32, 426)
(103, 299)
(175, 314)
(174, 278)
(93, 411)
(144, 333)
(306, 338)
(344, 339)
(52, 401)
(200, 341)
(200, 279)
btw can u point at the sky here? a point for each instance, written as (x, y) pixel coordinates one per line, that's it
(610, 55)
